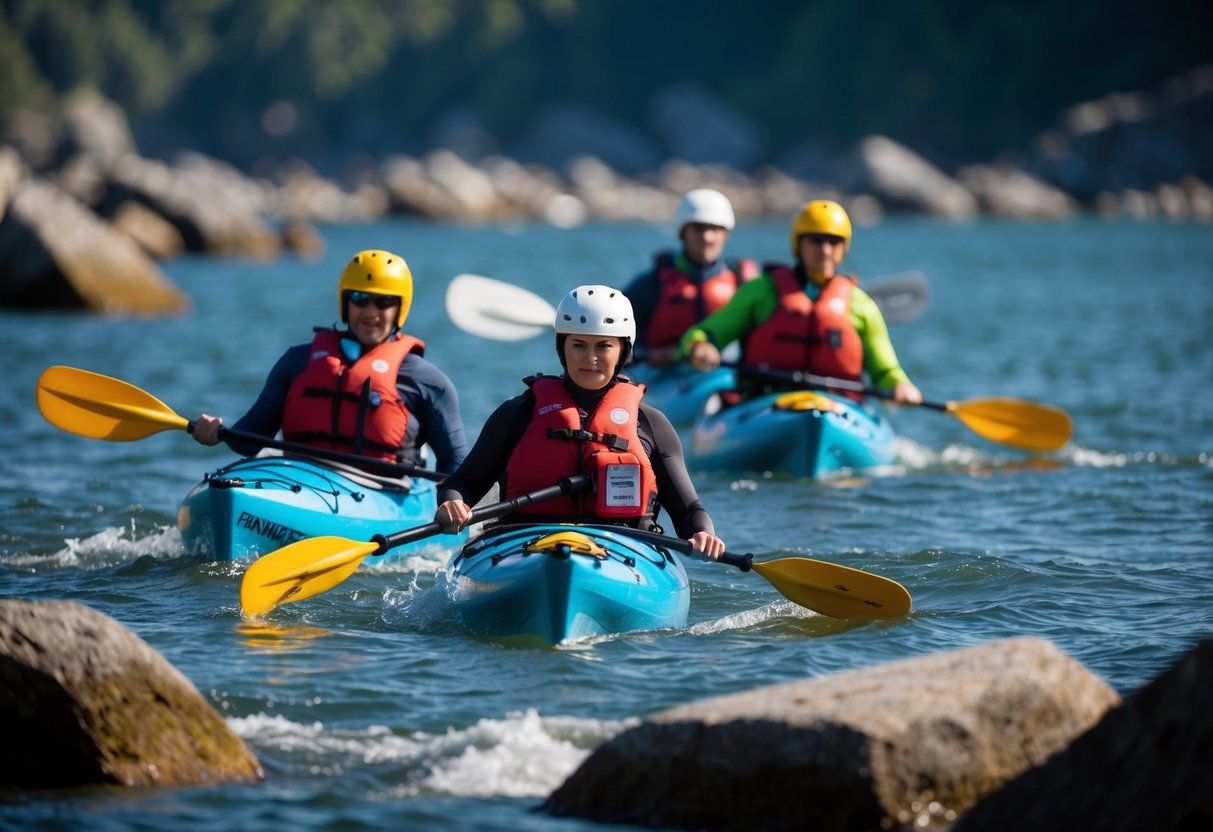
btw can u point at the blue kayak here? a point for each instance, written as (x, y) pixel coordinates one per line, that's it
(256, 505)
(554, 582)
(680, 391)
(801, 433)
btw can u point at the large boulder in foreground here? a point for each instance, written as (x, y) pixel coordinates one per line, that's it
(912, 743)
(84, 700)
(1147, 765)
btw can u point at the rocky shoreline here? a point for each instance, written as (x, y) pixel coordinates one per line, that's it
(84, 218)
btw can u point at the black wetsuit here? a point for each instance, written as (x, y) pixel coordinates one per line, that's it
(486, 462)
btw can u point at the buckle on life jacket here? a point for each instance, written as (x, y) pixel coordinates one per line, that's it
(613, 442)
(565, 543)
(807, 400)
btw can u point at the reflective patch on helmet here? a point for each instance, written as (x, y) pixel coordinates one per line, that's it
(619, 416)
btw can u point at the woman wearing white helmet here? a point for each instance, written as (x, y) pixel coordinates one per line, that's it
(589, 420)
(681, 289)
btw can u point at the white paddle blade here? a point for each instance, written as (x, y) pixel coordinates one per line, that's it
(496, 310)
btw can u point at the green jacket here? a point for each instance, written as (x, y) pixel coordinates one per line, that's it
(757, 299)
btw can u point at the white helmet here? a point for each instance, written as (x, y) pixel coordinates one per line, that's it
(706, 206)
(596, 310)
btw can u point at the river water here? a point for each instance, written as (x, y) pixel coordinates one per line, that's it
(370, 708)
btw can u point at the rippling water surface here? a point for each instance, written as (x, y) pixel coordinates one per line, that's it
(371, 709)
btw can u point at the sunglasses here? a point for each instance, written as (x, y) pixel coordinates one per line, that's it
(361, 299)
(822, 239)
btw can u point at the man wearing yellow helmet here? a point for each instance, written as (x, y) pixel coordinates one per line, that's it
(680, 289)
(365, 390)
(807, 316)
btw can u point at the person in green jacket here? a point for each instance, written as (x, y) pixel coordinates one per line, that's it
(807, 316)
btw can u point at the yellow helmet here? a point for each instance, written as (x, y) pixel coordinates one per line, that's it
(377, 272)
(821, 216)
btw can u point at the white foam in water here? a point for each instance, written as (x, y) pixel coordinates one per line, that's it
(428, 560)
(751, 618)
(1098, 459)
(915, 456)
(522, 755)
(414, 607)
(116, 544)
(912, 455)
(1112, 459)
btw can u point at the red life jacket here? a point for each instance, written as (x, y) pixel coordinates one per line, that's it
(558, 443)
(351, 407)
(802, 334)
(682, 303)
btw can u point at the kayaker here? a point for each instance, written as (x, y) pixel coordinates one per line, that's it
(363, 390)
(807, 316)
(588, 420)
(680, 289)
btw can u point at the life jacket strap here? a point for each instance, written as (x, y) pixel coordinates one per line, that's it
(613, 442)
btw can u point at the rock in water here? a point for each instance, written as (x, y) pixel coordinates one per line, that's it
(84, 700)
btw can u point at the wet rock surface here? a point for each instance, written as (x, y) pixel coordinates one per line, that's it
(911, 743)
(83, 700)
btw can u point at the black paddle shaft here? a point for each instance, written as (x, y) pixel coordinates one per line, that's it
(799, 378)
(375, 466)
(567, 485)
(743, 562)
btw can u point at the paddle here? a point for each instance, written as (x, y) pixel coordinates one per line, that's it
(503, 312)
(497, 310)
(318, 564)
(827, 588)
(1016, 422)
(101, 407)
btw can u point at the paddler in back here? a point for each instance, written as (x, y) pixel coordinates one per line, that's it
(682, 288)
(807, 316)
(366, 389)
(588, 420)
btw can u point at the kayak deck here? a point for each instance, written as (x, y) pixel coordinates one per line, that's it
(258, 504)
(802, 433)
(555, 582)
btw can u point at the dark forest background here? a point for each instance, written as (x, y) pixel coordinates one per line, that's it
(244, 80)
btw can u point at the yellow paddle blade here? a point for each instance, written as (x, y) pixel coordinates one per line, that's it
(836, 591)
(1015, 422)
(300, 570)
(100, 407)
